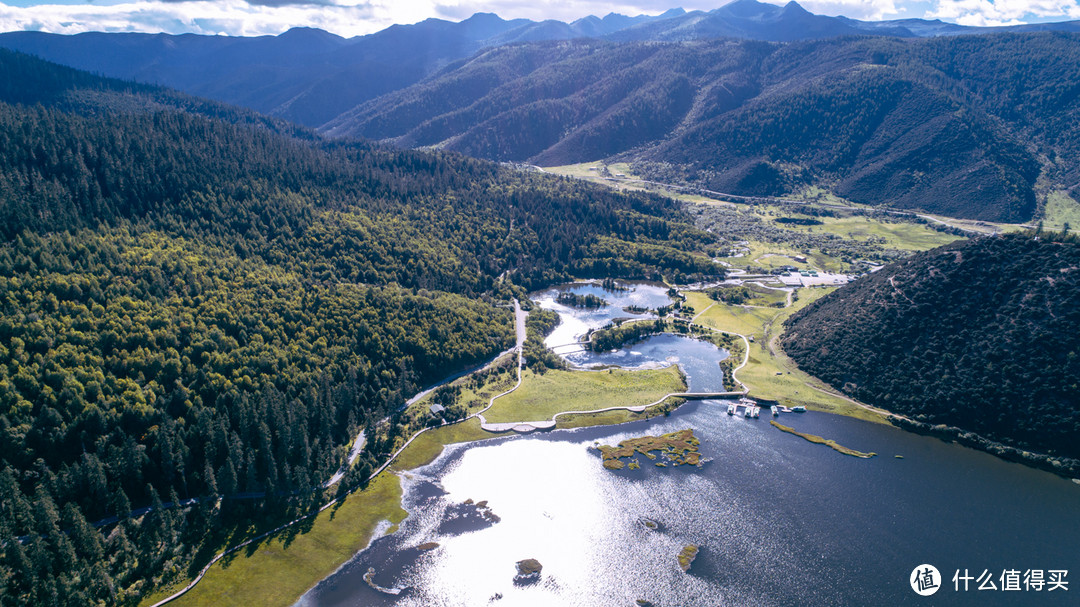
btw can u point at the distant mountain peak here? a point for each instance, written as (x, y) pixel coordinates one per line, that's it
(794, 8)
(749, 9)
(309, 33)
(671, 12)
(484, 18)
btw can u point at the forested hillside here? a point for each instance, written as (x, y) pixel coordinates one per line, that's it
(962, 126)
(209, 303)
(981, 334)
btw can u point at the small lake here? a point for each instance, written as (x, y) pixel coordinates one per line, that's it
(699, 360)
(576, 322)
(780, 521)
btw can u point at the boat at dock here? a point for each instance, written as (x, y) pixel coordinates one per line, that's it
(731, 409)
(799, 409)
(775, 411)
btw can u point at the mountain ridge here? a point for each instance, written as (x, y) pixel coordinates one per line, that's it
(960, 126)
(310, 76)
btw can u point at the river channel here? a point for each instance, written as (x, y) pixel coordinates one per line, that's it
(780, 521)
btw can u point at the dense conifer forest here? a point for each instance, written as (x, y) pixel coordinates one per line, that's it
(196, 301)
(982, 334)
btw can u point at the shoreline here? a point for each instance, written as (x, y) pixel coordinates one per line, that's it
(612, 416)
(1065, 467)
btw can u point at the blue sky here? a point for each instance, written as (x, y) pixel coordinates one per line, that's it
(356, 17)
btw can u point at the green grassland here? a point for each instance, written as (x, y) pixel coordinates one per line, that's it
(540, 397)
(584, 169)
(592, 171)
(427, 446)
(769, 373)
(618, 416)
(1061, 209)
(759, 296)
(745, 320)
(255, 576)
(771, 255)
(904, 236)
(975, 225)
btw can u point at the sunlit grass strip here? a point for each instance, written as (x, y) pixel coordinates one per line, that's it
(255, 575)
(823, 441)
(772, 375)
(540, 397)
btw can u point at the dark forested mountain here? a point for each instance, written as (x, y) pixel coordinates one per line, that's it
(304, 75)
(309, 76)
(981, 334)
(208, 303)
(962, 126)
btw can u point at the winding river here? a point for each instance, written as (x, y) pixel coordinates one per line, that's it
(780, 521)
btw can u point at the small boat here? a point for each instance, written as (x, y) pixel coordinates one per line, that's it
(748, 411)
(775, 410)
(756, 413)
(731, 409)
(799, 409)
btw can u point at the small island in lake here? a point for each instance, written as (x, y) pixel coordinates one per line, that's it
(823, 441)
(580, 301)
(687, 556)
(528, 571)
(678, 447)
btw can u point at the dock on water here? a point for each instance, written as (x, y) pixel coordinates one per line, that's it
(750, 408)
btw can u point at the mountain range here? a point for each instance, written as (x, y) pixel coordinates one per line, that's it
(961, 126)
(750, 98)
(310, 76)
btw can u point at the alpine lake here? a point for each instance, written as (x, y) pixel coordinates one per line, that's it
(776, 520)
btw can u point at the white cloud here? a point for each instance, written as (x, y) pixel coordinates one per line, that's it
(872, 10)
(1003, 12)
(344, 17)
(233, 17)
(357, 17)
